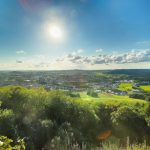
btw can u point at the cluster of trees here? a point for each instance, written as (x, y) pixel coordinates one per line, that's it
(73, 94)
(92, 93)
(48, 119)
(141, 95)
(145, 95)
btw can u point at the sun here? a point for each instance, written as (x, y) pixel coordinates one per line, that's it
(56, 32)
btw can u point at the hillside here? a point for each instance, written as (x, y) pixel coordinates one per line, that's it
(41, 117)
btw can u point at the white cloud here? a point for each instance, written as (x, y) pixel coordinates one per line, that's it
(99, 50)
(131, 59)
(79, 51)
(20, 52)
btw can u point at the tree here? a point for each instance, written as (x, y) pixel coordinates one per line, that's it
(92, 93)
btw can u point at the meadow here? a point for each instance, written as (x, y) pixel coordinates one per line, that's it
(103, 97)
(125, 86)
(145, 87)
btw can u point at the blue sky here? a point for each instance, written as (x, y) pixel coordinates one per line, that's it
(97, 34)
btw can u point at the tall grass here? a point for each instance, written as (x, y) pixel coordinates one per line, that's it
(58, 144)
(114, 146)
(105, 146)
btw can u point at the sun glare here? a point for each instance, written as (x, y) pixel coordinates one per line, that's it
(56, 32)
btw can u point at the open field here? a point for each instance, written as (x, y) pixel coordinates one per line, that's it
(109, 99)
(145, 87)
(106, 97)
(125, 86)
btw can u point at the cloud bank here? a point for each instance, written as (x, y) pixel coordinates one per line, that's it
(129, 57)
(78, 60)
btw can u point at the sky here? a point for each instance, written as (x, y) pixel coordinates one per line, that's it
(74, 34)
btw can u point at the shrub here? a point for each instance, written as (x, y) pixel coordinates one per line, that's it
(92, 93)
(9, 144)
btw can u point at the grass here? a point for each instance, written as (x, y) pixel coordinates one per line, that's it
(125, 86)
(107, 145)
(114, 146)
(145, 87)
(84, 96)
(108, 99)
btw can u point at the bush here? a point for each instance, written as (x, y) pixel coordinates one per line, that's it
(8, 144)
(74, 95)
(137, 96)
(92, 93)
(143, 95)
(129, 122)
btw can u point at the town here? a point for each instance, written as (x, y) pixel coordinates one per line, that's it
(115, 82)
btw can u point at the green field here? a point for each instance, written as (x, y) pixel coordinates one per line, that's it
(109, 98)
(145, 87)
(125, 86)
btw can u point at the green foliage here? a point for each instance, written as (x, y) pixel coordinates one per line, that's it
(145, 87)
(112, 144)
(73, 94)
(6, 121)
(8, 144)
(125, 86)
(125, 117)
(141, 95)
(137, 95)
(92, 93)
(54, 118)
(147, 114)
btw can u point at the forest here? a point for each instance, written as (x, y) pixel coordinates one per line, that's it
(38, 119)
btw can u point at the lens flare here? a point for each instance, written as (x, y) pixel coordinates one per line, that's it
(104, 135)
(34, 5)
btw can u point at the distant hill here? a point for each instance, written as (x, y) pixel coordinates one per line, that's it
(134, 73)
(131, 71)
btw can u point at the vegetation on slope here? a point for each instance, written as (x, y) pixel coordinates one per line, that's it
(49, 118)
